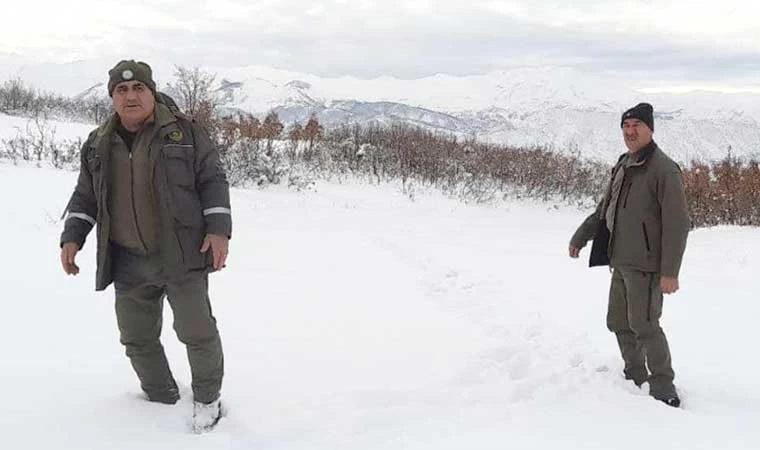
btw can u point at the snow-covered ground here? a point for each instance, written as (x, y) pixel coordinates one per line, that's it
(354, 318)
(11, 126)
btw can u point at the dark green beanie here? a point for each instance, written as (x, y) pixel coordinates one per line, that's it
(130, 70)
(643, 111)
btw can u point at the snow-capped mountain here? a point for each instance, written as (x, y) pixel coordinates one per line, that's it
(558, 108)
(555, 107)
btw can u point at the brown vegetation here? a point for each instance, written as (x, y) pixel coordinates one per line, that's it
(264, 152)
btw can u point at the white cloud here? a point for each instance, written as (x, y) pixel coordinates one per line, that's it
(667, 40)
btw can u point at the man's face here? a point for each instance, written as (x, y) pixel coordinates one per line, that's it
(637, 134)
(133, 101)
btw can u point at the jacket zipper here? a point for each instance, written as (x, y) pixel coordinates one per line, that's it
(134, 210)
(646, 236)
(611, 245)
(649, 297)
(627, 192)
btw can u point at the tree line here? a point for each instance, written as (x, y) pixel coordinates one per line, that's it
(264, 151)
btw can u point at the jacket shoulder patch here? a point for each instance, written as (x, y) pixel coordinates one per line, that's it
(175, 136)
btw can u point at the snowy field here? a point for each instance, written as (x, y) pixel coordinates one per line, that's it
(354, 318)
(11, 126)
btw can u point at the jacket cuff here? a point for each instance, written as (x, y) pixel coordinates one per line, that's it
(72, 237)
(220, 224)
(669, 271)
(75, 230)
(577, 240)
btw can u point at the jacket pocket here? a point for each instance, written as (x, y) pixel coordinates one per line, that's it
(190, 241)
(94, 166)
(179, 164)
(186, 206)
(646, 236)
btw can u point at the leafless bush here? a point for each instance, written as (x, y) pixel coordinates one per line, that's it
(193, 90)
(16, 96)
(37, 142)
(723, 192)
(254, 151)
(468, 170)
(244, 156)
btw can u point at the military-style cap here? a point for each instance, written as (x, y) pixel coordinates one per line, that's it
(130, 70)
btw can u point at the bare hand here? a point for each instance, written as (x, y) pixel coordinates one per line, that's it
(68, 258)
(219, 246)
(575, 252)
(668, 285)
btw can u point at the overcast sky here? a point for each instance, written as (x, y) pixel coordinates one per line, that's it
(657, 44)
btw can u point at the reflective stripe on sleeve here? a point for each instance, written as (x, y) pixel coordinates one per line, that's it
(217, 210)
(82, 216)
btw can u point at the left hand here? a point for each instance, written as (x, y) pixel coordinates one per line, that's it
(668, 285)
(220, 247)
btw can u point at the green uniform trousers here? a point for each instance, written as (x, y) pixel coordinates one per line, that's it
(140, 292)
(635, 307)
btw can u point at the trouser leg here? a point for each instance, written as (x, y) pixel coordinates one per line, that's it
(617, 321)
(196, 328)
(139, 314)
(644, 312)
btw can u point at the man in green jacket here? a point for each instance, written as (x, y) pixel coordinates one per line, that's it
(151, 183)
(639, 229)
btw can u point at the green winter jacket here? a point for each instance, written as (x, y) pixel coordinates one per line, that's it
(650, 216)
(190, 187)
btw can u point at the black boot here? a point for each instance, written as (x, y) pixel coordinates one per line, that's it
(168, 395)
(637, 377)
(673, 401)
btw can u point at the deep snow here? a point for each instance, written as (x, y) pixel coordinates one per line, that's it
(355, 318)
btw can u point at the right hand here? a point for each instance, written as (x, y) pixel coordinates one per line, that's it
(575, 252)
(68, 258)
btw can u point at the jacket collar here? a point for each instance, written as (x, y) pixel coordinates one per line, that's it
(646, 153)
(162, 117)
(107, 128)
(103, 135)
(641, 157)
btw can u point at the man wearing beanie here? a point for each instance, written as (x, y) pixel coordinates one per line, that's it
(639, 229)
(151, 184)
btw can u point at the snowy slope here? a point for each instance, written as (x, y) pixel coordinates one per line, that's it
(560, 108)
(354, 318)
(556, 107)
(11, 126)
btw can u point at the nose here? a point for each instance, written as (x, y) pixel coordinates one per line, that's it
(131, 94)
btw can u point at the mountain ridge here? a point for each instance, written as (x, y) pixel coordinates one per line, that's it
(560, 108)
